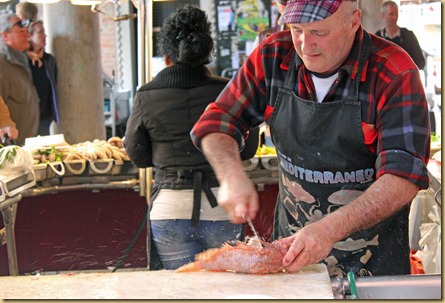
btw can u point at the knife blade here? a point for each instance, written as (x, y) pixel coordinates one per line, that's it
(257, 238)
(6, 141)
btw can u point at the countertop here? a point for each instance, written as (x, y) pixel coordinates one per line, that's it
(312, 282)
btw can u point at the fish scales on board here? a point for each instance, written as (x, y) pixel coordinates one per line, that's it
(240, 258)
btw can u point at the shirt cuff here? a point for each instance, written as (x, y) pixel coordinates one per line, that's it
(404, 165)
(199, 132)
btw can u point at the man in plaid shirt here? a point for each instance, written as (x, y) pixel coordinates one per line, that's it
(349, 118)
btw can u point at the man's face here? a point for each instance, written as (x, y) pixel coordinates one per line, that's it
(324, 45)
(390, 16)
(38, 37)
(17, 37)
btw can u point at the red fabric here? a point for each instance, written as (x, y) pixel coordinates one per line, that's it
(78, 230)
(416, 264)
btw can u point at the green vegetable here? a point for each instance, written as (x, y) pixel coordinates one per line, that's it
(49, 151)
(7, 155)
(435, 137)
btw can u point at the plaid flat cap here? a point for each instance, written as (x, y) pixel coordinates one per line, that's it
(304, 11)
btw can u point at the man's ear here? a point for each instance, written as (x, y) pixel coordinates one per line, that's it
(5, 36)
(356, 18)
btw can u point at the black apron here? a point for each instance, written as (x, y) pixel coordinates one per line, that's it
(325, 164)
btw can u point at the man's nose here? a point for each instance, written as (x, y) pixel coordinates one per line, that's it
(307, 42)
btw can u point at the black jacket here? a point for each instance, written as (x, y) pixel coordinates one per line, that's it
(163, 114)
(408, 41)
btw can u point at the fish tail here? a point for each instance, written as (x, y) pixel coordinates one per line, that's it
(193, 266)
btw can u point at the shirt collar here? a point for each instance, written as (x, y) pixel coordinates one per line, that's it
(350, 66)
(14, 56)
(387, 36)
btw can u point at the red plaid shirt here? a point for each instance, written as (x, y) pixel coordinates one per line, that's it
(395, 118)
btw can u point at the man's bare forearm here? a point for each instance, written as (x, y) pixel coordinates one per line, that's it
(221, 151)
(236, 194)
(385, 197)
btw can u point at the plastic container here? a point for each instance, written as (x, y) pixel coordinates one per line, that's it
(270, 162)
(250, 164)
(54, 169)
(40, 171)
(16, 184)
(122, 167)
(75, 167)
(100, 167)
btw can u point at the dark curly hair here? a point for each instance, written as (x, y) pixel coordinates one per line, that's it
(185, 37)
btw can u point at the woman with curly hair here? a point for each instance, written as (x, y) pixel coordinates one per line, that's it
(185, 218)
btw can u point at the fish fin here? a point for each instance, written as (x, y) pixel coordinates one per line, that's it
(193, 266)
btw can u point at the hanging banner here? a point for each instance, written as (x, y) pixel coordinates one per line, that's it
(252, 18)
(248, 28)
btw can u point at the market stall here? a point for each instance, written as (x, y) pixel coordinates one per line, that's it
(82, 214)
(66, 205)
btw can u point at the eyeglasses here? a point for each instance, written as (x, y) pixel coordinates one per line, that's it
(21, 23)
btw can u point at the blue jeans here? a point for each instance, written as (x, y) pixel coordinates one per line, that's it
(177, 242)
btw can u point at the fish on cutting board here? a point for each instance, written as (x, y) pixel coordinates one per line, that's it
(240, 258)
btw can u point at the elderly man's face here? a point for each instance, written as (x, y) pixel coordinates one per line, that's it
(324, 45)
(17, 37)
(390, 16)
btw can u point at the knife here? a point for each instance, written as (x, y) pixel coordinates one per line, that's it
(7, 141)
(257, 238)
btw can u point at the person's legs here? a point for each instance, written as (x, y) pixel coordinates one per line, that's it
(44, 127)
(175, 242)
(213, 234)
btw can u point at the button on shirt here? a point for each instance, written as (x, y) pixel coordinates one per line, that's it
(395, 119)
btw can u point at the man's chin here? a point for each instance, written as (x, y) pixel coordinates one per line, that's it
(319, 69)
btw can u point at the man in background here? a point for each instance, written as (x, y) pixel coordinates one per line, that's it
(27, 11)
(16, 85)
(401, 36)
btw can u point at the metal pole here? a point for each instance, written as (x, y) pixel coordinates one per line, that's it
(426, 287)
(9, 210)
(141, 43)
(145, 39)
(145, 54)
(148, 39)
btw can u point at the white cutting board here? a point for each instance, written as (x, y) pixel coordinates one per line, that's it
(312, 282)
